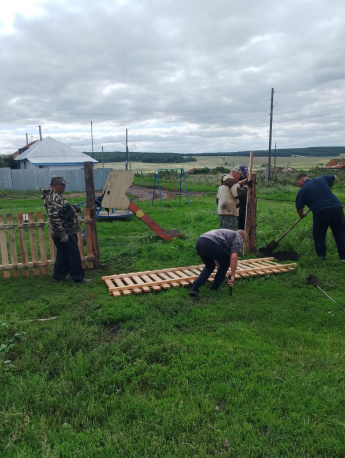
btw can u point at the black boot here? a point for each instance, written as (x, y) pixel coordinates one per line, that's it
(194, 291)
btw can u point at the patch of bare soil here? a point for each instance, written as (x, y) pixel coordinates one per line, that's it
(146, 193)
(279, 255)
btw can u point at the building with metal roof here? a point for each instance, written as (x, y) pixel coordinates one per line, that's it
(53, 154)
(335, 164)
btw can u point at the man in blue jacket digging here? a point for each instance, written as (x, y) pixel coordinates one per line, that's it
(327, 211)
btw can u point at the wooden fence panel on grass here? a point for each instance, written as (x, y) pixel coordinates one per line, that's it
(155, 280)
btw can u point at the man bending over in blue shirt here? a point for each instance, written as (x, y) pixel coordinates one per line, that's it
(326, 208)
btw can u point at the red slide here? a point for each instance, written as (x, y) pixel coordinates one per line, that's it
(163, 234)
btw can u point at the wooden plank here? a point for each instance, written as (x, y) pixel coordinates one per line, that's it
(148, 281)
(185, 279)
(33, 244)
(137, 279)
(52, 248)
(80, 241)
(89, 237)
(109, 284)
(42, 244)
(177, 277)
(121, 286)
(22, 244)
(12, 244)
(164, 276)
(3, 249)
(23, 266)
(156, 278)
(129, 282)
(148, 272)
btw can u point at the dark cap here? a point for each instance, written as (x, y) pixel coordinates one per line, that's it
(244, 169)
(56, 179)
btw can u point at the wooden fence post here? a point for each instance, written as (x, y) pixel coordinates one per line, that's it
(90, 204)
(251, 218)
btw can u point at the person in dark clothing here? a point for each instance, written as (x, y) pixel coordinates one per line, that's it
(218, 247)
(242, 198)
(326, 208)
(64, 226)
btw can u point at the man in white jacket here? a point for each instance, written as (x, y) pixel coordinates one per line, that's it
(229, 192)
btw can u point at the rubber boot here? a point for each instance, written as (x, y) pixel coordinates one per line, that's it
(194, 291)
(214, 288)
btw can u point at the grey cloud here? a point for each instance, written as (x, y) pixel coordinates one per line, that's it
(207, 67)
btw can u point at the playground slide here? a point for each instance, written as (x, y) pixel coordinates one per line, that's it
(145, 218)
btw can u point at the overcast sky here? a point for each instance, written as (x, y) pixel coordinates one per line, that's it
(181, 75)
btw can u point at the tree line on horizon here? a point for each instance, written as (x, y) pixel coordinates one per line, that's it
(148, 157)
(166, 157)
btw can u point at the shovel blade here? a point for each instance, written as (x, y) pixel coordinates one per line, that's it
(272, 245)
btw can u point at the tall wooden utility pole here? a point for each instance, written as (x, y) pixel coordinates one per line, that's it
(268, 168)
(275, 158)
(128, 161)
(92, 141)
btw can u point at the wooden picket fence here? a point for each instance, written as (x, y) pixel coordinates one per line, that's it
(27, 246)
(155, 280)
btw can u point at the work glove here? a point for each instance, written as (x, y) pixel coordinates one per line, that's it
(64, 238)
(249, 183)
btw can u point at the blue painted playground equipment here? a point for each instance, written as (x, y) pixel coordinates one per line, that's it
(158, 182)
(107, 214)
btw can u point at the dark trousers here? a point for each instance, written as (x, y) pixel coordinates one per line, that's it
(333, 218)
(68, 260)
(210, 251)
(242, 215)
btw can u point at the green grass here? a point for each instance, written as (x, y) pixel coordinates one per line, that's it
(260, 373)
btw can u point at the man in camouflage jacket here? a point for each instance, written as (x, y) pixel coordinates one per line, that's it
(64, 225)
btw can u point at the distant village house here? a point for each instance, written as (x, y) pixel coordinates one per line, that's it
(52, 154)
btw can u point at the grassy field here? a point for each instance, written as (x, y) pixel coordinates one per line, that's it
(258, 374)
(223, 161)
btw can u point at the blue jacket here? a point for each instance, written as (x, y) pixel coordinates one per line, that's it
(317, 195)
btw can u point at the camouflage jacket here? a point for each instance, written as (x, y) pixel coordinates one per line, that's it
(62, 216)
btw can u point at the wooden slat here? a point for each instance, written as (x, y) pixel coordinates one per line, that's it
(156, 278)
(22, 244)
(33, 244)
(129, 282)
(88, 234)
(3, 247)
(80, 241)
(121, 286)
(137, 280)
(12, 243)
(149, 281)
(52, 248)
(42, 244)
(165, 276)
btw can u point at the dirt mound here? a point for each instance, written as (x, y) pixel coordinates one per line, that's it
(279, 255)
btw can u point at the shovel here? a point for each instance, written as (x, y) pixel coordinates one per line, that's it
(273, 245)
(312, 280)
